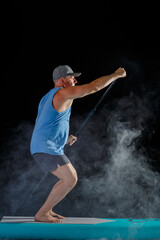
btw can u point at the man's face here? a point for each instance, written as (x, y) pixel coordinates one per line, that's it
(69, 81)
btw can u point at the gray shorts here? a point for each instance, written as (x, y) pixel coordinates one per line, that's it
(48, 162)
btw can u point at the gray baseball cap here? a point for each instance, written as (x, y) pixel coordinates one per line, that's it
(63, 71)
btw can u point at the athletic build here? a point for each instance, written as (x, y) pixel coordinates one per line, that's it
(65, 93)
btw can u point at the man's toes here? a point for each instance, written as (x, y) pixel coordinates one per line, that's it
(58, 220)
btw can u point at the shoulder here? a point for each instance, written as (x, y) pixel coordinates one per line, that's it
(60, 102)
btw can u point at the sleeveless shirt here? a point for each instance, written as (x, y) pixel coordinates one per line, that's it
(51, 128)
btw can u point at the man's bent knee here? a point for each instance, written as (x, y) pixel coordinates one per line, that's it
(67, 173)
(71, 180)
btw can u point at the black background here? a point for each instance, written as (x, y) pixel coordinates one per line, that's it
(91, 38)
(94, 38)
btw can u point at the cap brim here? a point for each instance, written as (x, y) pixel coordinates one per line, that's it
(74, 74)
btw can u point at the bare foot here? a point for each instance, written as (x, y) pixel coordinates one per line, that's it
(53, 214)
(46, 218)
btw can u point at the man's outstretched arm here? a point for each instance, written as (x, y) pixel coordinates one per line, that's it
(90, 88)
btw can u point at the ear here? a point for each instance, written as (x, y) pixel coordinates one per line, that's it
(61, 81)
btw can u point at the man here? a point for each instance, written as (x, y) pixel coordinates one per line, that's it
(52, 129)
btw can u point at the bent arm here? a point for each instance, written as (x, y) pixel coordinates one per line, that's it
(90, 88)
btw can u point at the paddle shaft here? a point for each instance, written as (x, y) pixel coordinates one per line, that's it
(94, 109)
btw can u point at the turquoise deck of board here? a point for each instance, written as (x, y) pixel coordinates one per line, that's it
(116, 229)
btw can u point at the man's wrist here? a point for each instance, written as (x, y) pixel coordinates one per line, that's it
(116, 75)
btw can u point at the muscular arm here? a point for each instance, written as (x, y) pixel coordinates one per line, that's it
(90, 88)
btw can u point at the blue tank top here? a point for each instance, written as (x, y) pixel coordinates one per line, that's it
(51, 128)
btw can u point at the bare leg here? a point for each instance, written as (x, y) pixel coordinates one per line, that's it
(53, 214)
(68, 179)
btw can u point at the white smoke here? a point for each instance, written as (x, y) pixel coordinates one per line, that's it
(115, 174)
(124, 184)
